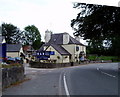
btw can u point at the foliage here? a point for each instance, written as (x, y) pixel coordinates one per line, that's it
(32, 36)
(99, 25)
(94, 57)
(11, 65)
(11, 33)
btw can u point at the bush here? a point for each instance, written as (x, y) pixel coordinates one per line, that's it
(11, 65)
(113, 58)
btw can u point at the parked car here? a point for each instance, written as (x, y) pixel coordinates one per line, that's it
(19, 60)
(14, 60)
(10, 60)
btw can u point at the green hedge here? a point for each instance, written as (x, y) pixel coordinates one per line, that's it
(113, 58)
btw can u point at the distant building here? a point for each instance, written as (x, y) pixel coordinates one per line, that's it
(66, 48)
(14, 50)
(28, 51)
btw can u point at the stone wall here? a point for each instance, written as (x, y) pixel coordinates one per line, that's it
(49, 65)
(12, 75)
(58, 65)
(52, 65)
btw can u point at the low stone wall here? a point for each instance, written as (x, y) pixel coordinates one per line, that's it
(58, 65)
(54, 65)
(48, 65)
(12, 75)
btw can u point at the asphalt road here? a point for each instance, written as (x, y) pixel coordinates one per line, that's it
(92, 79)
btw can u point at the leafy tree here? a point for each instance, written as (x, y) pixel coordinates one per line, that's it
(32, 36)
(11, 33)
(98, 24)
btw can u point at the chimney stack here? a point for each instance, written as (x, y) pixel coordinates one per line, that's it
(66, 38)
(47, 36)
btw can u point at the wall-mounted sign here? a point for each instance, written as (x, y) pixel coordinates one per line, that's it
(44, 55)
(47, 53)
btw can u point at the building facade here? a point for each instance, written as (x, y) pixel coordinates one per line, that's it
(66, 48)
(14, 50)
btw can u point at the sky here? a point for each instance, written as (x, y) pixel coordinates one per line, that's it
(54, 15)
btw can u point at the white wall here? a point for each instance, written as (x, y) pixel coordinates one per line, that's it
(55, 57)
(65, 59)
(71, 48)
(13, 54)
(61, 59)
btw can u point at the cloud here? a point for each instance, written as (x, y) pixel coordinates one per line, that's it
(55, 15)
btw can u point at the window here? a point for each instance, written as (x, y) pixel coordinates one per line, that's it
(77, 48)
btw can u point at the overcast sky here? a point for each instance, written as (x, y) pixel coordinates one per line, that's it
(54, 15)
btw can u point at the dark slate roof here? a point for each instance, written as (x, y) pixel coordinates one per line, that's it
(60, 49)
(58, 39)
(41, 48)
(13, 47)
(74, 41)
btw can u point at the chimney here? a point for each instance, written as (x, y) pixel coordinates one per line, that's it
(66, 38)
(47, 36)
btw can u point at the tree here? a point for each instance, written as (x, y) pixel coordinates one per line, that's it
(11, 33)
(98, 24)
(32, 36)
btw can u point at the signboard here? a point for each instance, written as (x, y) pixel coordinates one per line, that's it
(2, 51)
(47, 53)
(44, 55)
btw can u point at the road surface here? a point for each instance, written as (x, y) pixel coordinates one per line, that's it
(92, 80)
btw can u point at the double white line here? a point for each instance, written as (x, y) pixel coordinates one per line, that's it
(105, 73)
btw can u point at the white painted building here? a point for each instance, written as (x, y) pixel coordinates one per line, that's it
(14, 50)
(66, 48)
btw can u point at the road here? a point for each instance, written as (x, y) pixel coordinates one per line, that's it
(86, 80)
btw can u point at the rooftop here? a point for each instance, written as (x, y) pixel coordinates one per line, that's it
(13, 47)
(58, 39)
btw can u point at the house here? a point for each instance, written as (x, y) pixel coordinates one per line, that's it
(14, 50)
(66, 48)
(28, 50)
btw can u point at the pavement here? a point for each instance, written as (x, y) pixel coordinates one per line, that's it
(93, 79)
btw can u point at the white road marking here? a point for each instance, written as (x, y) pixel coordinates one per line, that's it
(33, 71)
(66, 88)
(98, 69)
(105, 73)
(108, 74)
